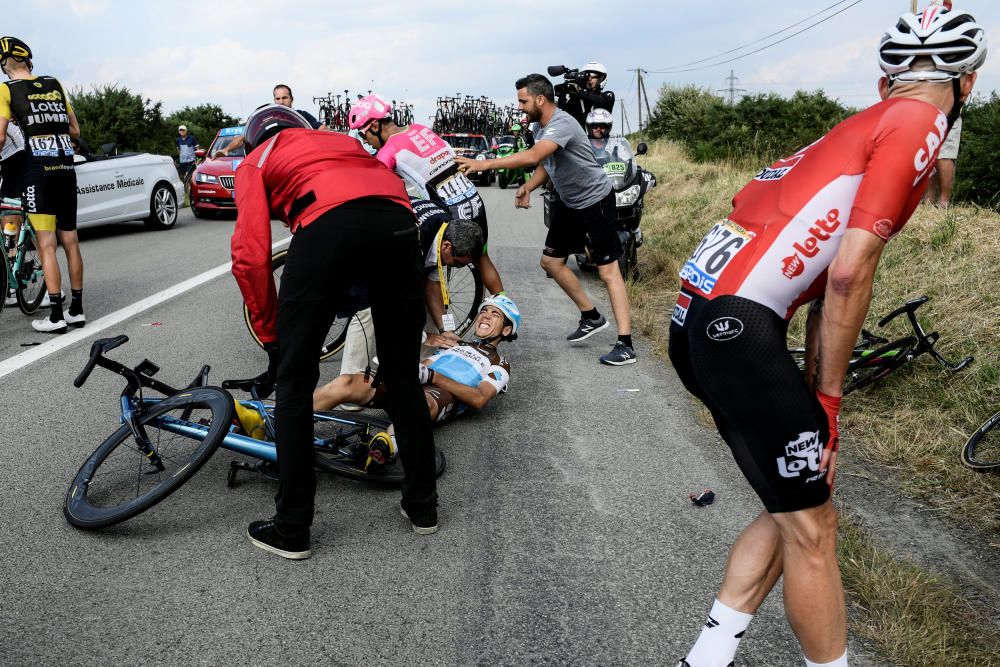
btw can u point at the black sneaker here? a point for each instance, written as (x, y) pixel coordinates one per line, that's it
(269, 537)
(587, 329)
(424, 523)
(619, 355)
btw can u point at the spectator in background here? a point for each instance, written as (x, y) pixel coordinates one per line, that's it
(282, 95)
(943, 179)
(186, 146)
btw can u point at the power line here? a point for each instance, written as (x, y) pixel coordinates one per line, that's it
(761, 39)
(766, 46)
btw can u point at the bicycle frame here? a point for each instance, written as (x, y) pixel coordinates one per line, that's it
(134, 405)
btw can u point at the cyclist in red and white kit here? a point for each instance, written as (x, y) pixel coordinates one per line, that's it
(809, 229)
(426, 163)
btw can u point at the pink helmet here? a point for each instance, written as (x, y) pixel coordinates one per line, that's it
(368, 109)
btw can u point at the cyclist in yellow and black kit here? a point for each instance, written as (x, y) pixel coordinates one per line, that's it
(42, 110)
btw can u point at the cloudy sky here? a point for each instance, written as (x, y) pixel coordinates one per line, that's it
(232, 53)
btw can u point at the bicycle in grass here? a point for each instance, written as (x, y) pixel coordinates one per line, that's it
(164, 440)
(875, 357)
(22, 272)
(465, 289)
(982, 449)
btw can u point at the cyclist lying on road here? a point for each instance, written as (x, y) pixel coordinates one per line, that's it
(456, 378)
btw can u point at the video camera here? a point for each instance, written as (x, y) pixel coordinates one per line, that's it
(568, 74)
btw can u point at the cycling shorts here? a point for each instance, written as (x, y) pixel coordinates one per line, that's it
(448, 407)
(12, 175)
(731, 353)
(594, 227)
(50, 197)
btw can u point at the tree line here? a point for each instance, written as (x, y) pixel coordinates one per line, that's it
(763, 127)
(114, 114)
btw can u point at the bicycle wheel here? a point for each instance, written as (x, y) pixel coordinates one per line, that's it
(465, 289)
(982, 451)
(337, 335)
(119, 481)
(28, 279)
(341, 441)
(869, 368)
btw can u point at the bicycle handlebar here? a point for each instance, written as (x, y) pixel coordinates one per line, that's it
(908, 307)
(97, 350)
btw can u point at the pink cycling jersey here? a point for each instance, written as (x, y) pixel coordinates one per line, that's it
(868, 172)
(426, 163)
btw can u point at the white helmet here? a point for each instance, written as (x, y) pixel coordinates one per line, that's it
(596, 68)
(600, 117)
(951, 38)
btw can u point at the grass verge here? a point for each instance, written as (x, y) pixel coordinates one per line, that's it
(915, 421)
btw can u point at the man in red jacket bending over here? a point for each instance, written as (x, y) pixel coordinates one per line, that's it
(343, 208)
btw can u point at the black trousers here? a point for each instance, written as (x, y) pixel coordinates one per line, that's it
(369, 243)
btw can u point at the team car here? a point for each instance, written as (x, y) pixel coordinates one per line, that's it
(213, 182)
(127, 186)
(472, 146)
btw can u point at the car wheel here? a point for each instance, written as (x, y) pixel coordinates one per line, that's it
(162, 208)
(198, 213)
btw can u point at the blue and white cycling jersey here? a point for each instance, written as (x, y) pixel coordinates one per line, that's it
(471, 364)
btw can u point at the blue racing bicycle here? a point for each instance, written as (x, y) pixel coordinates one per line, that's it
(163, 441)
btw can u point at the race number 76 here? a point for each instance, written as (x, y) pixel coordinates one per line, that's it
(712, 255)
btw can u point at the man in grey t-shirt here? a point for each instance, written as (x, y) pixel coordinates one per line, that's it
(584, 215)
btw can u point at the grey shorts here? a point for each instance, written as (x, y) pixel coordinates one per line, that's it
(949, 149)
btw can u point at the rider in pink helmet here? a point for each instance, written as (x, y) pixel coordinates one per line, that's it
(366, 111)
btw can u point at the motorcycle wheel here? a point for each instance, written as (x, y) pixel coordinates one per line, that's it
(503, 180)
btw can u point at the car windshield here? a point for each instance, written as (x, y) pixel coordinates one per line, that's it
(474, 143)
(615, 149)
(222, 141)
(505, 139)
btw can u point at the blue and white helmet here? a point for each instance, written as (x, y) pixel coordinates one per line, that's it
(506, 306)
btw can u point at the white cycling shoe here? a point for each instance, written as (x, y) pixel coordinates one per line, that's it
(75, 320)
(46, 325)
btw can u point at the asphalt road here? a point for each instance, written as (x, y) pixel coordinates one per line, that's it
(566, 533)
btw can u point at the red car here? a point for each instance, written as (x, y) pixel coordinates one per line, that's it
(212, 184)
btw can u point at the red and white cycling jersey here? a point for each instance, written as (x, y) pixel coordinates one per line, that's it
(868, 172)
(427, 163)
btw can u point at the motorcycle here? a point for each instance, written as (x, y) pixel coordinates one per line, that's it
(631, 183)
(508, 145)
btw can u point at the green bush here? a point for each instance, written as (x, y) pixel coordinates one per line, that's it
(114, 114)
(978, 174)
(760, 127)
(202, 121)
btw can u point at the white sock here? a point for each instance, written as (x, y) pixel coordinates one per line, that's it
(839, 662)
(719, 639)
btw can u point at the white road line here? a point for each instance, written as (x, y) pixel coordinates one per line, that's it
(62, 341)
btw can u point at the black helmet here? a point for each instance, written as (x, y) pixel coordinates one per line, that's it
(267, 121)
(12, 47)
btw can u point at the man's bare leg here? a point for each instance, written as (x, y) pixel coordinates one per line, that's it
(946, 181)
(343, 389)
(74, 260)
(611, 274)
(567, 280)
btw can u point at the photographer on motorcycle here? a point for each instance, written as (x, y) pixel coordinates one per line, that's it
(582, 92)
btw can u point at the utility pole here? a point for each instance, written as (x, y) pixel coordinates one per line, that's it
(641, 89)
(731, 90)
